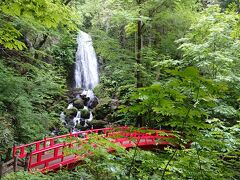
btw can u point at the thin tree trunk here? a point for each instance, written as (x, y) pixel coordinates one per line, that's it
(139, 119)
(139, 49)
(122, 37)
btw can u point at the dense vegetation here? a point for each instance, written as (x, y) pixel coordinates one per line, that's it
(167, 63)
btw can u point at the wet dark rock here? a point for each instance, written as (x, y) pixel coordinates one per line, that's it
(85, 99)
(81, 127)
(78, 103)
(70, 125)
(93, 102)
(82, 123)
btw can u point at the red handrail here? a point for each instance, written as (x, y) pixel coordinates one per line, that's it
(49, 152)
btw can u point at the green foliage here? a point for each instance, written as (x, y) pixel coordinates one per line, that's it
(27, 103)
(23, 175)
(9, 38)
(211, 45)
(32, 90)
(63, 53)
(98, 124)
(7, 135)
(102, 109)
(44, 16)
(184, 98)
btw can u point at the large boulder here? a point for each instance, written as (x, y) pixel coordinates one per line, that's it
(102, 109)
(71, 113)
(78, 103)
(85, 114)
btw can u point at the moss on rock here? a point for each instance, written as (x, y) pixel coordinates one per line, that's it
(71, 113)
(85, 114)
(103, 109)
(78, 103)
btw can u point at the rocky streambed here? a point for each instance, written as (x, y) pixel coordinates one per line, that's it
(86, 111)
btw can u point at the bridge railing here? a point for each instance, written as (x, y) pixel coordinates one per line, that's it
(52, 157)
(49, 152)
(22, 150)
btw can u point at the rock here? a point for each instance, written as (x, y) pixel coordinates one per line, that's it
(85, 114)
(85, 100)
(81, 127)
(98, 123)
(102, 109)
(71, 124)
(93, 102)
(78, 103)
(114, 104)
(71, 113)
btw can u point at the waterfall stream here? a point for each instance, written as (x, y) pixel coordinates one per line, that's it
(86, 68)
(86, 78)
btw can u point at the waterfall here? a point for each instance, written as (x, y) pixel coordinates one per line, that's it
(77, 119)
(86, 78)
(70, 106)
(62, 117)
(86, 68)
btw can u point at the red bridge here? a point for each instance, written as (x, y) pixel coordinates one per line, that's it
(50, 154)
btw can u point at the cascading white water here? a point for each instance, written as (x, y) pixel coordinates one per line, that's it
(86, 78)
(62, 117)
(77, 119)
(70, 106)
(86, 68)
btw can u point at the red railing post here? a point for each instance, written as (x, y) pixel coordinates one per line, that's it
(46, 164)
(22, 151)
(14, 150)
(39, 157)
(51, 142)
(37, 146)
(56, 152)
(64, 144)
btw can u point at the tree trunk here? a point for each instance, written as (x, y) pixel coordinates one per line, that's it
(122, 37)
(139, 49)
(139, 119)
